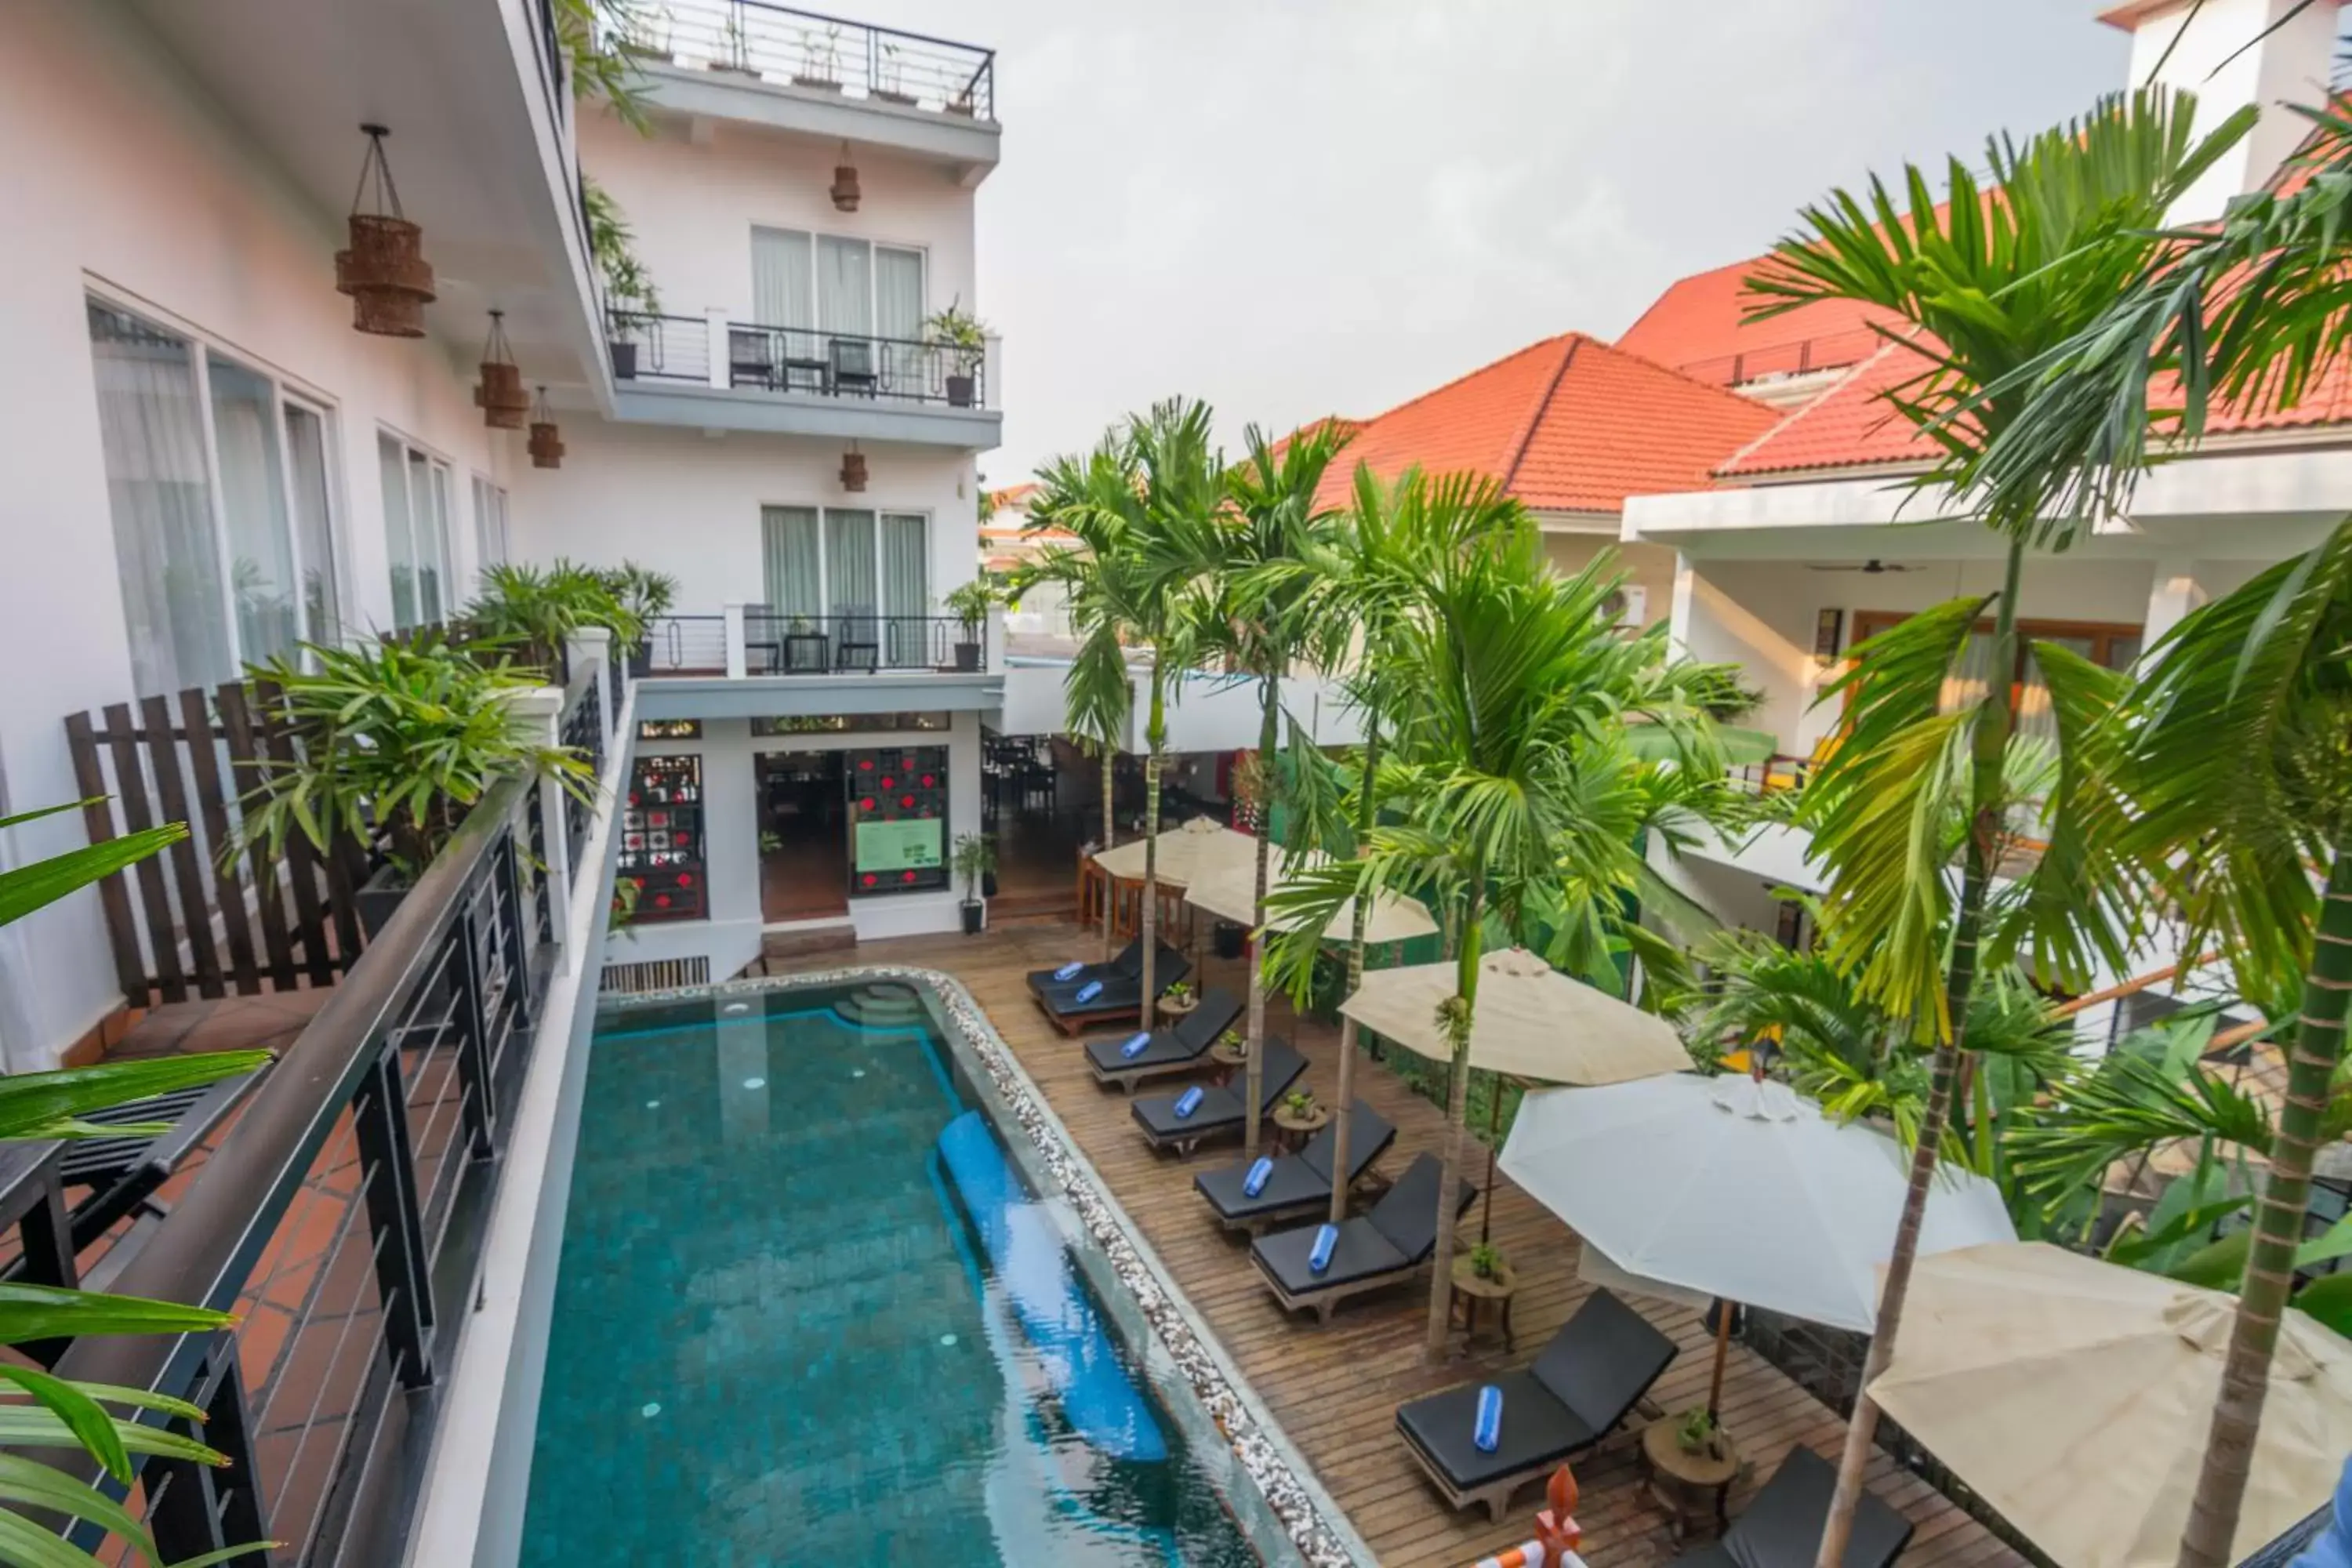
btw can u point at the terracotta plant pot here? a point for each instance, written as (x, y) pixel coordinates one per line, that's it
(385, 274)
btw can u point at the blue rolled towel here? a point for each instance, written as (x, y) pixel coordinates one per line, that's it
(1136, 1046)
(1090, 990)
(1327, 1238)
(1069, 971)
(1189, 1102)
(1486, 1431)
(1254, 1183)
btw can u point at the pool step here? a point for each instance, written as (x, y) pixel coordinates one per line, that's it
(883, 1004)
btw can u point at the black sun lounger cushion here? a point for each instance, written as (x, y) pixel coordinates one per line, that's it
(1595, 1370)
(1129, 962)
(1393, 1238)
(1120, 993)
(1220, 1109)
(1190, 1038)
(1781, 1526)
(1301, 1178)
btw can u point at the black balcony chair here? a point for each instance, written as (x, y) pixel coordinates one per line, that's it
(763, 642)
(857, 643)
(854, 367)
(751, 359)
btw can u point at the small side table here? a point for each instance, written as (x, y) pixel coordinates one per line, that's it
(1173, 1012)
(1229, 1059)
(1472, 1293)
(1688, 1486)
(1291, 1131)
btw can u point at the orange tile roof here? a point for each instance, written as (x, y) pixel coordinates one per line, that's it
(1569, 424)
(1700, 327)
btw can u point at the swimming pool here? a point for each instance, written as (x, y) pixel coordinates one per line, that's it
(809, 1310)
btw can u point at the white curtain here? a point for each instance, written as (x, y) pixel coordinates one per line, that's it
(898, 293)
(159, 493)
(399, 533)
(849, 562)
(314, 523)
(783, 288)
(789, 543)
(906, 584)
(845, 286)
(253, 497)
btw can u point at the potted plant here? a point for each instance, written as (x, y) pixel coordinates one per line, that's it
(1177, 999)
(394, 742)
(630, 297)
(975, 858)
(889, 89)
(1232, 1045)
(1698, 1433)
(970, 604)
(1487, 1261)
(1299, 1103)
(820, 59)
(644, 595)
(961, 341)
(734, 56)
(534, 610)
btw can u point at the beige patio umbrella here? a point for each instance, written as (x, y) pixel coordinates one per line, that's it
(1532, 1022)
(2075, 1396)
(1230, 893)
(1187, 851)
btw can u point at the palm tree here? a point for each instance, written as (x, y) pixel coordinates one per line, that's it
(1984, 282)
(1513, 776)
(1276, 570)
(1098, 694)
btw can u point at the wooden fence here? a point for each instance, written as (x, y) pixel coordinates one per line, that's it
(189, 922)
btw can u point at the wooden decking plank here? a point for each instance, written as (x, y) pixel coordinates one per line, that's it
(1334, 1390)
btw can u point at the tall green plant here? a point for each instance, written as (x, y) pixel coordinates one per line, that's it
(537, 609)
(49, 1412)
(1985, 280)
(396, 740)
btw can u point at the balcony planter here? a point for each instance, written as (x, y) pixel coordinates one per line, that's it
(960, 391)
(624, 361)
(960, 340)
(975, 858)
(967, 658)
(975, 917)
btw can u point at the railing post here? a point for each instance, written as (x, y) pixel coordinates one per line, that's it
(739, 662)
(403, 1265)
(544, 706)
(194, 1509)
(722, 365)
(992, 373)
(992, 654)
(477, 1094)
(595, 643)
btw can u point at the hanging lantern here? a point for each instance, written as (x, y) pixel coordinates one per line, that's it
(845, 183)
(384, 270)
(546, 444)
(500, 397)
(853, 470)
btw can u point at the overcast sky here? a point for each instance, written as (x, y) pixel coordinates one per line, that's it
(1296, 208)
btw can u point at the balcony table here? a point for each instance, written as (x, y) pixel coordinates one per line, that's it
(805, 653)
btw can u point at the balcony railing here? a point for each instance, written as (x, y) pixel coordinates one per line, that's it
(758, 357)
(813, 52)
(759, 641)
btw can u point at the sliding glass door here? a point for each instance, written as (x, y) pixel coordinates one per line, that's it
(867, 571)
(417, 532)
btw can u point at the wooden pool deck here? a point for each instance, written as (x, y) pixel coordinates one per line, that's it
(1334, 1391)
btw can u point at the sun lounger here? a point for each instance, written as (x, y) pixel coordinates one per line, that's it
(1300, 1184)
(1109, 999)
(1182, 1048)
(1127, 961)
(1218, 1113)
(1781, 1526)
(1591, 1376)
(1375, 1250)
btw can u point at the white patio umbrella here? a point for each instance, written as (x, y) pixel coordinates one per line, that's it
(1187, 850)
(1738, 1188)
(1229, 892)
(2075, 1396)
(1531, 1021)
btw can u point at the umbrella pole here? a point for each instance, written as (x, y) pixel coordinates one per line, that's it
(1722, 1353)
(1494, 1118)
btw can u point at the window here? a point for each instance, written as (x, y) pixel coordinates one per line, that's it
(848, 561)
(828, 284)
(218, 487)
(416, 532)
(490, 524)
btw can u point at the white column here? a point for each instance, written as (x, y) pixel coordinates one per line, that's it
(594, 645)
(737, 662)
(2177, 591)
(721, 365)
(542, 709)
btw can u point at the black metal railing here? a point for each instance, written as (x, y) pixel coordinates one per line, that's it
(858, 644)
(817, 53)
(849, 364)
(581, 730)
(343, 1220)
(658, 348)
(683, 645)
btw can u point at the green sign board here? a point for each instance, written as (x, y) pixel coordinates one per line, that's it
(906, 846)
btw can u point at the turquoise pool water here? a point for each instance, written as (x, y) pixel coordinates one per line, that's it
(806, 1314)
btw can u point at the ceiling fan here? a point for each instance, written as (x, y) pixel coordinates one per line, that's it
(1874, 566)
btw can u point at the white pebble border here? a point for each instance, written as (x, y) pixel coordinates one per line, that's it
(1307, 1513)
